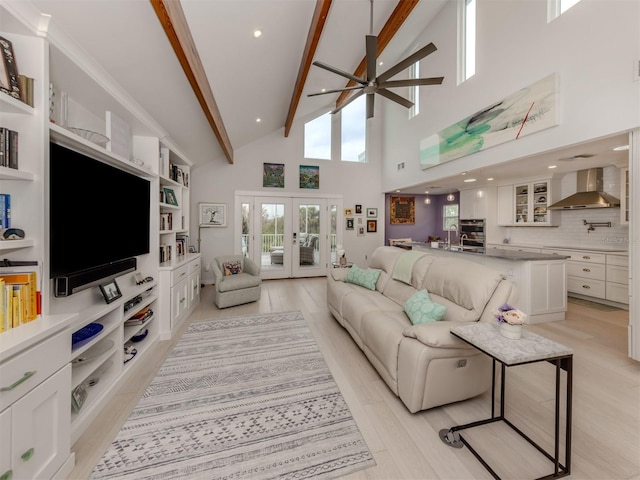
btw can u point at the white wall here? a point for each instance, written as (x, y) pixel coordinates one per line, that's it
(218, 181)
(592, 47)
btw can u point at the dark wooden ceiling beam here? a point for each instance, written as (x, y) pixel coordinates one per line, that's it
(395, 21)
(313, 38)
(175, 26)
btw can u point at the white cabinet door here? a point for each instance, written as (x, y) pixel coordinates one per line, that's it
(505, 205)
(5, 440)
(179, 302)
(467, 204)
(194, 288)
(40, 427)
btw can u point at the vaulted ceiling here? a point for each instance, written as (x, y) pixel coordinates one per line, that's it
(197, 68)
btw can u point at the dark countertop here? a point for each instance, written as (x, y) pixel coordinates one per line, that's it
(590, 249)
(513, 255)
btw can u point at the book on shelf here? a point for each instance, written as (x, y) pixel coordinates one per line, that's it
(166, 221)
(23, 290)
(26, 89)
(8, 148)
(165, 253)
(5, 210)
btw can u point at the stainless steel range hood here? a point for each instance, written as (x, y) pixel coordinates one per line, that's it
(589, 195)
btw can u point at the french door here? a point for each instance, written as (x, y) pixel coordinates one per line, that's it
(289, 236)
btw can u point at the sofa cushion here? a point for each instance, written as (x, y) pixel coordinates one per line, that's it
(420, 308)
(238, 281)
(464, 286)
(364, 278)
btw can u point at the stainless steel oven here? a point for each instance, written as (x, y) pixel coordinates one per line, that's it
(472, 235)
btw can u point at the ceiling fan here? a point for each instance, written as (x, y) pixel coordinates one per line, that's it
(373, 84)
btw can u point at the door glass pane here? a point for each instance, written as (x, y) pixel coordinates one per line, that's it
(333, 230)
(272, 235)
(245, 211)
(309, 235)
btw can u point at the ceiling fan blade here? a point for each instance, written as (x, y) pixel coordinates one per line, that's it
(348, 101)
(357, 87)
(370, 99)
(396, 98)
(371, 54)
(340, 72)
(407, 62)
(412, 82)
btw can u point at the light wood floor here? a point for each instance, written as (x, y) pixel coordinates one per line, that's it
(606, 401)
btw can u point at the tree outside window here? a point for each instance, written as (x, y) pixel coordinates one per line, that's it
(450, 217)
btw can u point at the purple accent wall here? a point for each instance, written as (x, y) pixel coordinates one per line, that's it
(428, 219)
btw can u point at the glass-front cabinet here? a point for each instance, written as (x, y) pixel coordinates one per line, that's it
(531, 202)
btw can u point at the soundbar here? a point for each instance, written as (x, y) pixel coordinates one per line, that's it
(66, 285)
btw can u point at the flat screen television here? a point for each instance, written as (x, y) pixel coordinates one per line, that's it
(99, 216)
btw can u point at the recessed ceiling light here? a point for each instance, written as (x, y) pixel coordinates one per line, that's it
(397, 191)
(258, 120)
(463, 173)
(323, 90)
(426, 191)
(469, 180)
(257, 33)
(489, 179)
(380, 63)
(621, 148)
(552, 166)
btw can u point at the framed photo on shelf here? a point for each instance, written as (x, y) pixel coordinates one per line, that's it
(372, 226)
(170, 196)
(9, 82)
(213, 214)
(110, 291)
(372, 213)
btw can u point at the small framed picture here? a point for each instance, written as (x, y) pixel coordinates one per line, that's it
(372, 213)
(9, 82)
(372, 226)
(349, 224)
(170, 196)
(358, 209)
(110, 291)
(348, 212)
(361, 230)
(213, 214)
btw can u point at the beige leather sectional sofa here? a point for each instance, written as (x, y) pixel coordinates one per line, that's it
(423, 364)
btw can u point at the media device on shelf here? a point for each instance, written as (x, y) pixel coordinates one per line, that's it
(99, 220)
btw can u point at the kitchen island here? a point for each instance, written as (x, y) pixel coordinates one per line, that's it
(540, 278)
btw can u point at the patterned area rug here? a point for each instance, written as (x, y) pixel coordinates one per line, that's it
(240, 398)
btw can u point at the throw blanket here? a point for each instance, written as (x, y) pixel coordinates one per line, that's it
(404, 265)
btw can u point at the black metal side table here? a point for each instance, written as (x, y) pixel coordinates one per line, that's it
(530, 348)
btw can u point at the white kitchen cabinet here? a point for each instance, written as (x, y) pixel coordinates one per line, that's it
(477, 203)
(617, 286)
(505, 205)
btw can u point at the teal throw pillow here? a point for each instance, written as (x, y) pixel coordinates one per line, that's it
(420, 309)
(365, 278)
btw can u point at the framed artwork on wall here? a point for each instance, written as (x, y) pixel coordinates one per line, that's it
(213, 214)
(372, 213)
(273, 175)
(358, 209)
(349, 223)
(348, 212)
(361, 230)
(309, 176)
(403, 210)
(372, 226)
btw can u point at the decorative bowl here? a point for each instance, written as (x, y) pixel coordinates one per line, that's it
(93, 137)
(138, 337)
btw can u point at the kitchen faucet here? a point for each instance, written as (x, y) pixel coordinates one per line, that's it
(462, 237)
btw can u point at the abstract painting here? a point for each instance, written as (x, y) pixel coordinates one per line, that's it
(530, 110)
(403, 210)
(273, 175)
(309, 176)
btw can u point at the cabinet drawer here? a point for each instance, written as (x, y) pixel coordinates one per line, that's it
(617, 292)
(593, 288)
(586, 270)
(31, 367)
(179, 274)
(621, 260)
(618, 274)
(194, 266)
(579, 256)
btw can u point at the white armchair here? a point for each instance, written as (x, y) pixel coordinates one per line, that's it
(237, 280)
